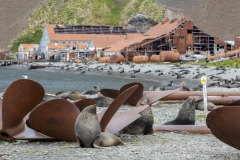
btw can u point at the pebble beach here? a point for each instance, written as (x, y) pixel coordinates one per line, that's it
(160, 145)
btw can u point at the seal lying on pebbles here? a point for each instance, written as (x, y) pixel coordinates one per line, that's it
(72, 95)
(144, 124)
(103, 101)
(88, 130)
(92, 92)
(200, 106)
(186, 115)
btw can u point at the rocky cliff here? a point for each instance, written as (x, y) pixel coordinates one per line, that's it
(216, 17)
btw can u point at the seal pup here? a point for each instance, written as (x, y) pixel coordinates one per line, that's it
(144, 124)
(199, 105)
(186, 115)
(107, 140)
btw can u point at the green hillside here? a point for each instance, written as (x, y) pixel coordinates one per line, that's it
(84, 12)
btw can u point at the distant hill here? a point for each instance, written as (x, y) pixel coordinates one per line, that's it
(216, 17)
(13, 18)
(82, 12)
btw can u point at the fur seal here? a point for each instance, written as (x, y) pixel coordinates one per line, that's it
(186, 115)
(72, 95)
(88, 131)
(144, 124)
(200, 106)
(87, 127)
(103, 101)
(92, 92)
(107, 140)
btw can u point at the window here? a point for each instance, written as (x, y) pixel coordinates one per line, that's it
(189, 31)
(182, 38)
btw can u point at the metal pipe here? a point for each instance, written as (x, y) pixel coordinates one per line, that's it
(218, 98)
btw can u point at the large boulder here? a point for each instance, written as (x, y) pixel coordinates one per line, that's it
(142, 22)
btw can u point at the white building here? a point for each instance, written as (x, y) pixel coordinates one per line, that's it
(79, 34)
(25, 51)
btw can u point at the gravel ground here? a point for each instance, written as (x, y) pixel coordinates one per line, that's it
(160, 145)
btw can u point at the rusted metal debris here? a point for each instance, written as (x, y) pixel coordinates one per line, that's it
(55, 118)
(219, 98)
(195, 129)
(115, 105)
(224, 124)
(19, 99)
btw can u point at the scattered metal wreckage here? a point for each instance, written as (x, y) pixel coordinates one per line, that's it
(55, 118)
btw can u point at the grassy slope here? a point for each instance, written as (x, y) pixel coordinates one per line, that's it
(84, 12)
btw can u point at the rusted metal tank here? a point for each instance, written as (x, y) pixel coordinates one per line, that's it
(224, 55)
(140, 59)
(116, 58)
(2, 54)
(72, 55)
(104, 60)
(169, 56)
(78, 61)
(155, 58)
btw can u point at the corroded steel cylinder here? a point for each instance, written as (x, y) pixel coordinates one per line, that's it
(232, 53)
(169, 56)
(140, 59)
(155, 58)
(78, 61)
(104, 60)
(116, 58)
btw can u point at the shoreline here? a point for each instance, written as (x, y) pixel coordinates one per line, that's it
(160, 145)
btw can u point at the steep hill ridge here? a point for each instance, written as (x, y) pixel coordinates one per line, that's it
(216, 17)
(78, 12)
(13, 18)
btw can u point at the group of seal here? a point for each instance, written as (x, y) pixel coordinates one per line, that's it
(88, 131)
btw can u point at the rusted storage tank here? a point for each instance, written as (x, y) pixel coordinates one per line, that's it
(2, 54)
(212, 57)
(104, 60)
(78, 61)
(169, 56)
(72, 55)
(116, 58)
(140, 59)
(232, 53)
(155, 58)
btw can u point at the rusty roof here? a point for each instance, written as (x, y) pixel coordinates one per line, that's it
(165, 28)
(27, 47)
(116, 47)
(160, 29)
(55, 45)
(100, 40)
(81, 45)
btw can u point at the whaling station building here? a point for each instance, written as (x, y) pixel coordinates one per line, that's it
(176, 34)
(181, 35)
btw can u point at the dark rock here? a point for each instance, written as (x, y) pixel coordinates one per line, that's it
(142, 22)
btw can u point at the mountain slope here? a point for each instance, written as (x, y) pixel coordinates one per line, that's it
(85, 12)
(216, 17)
